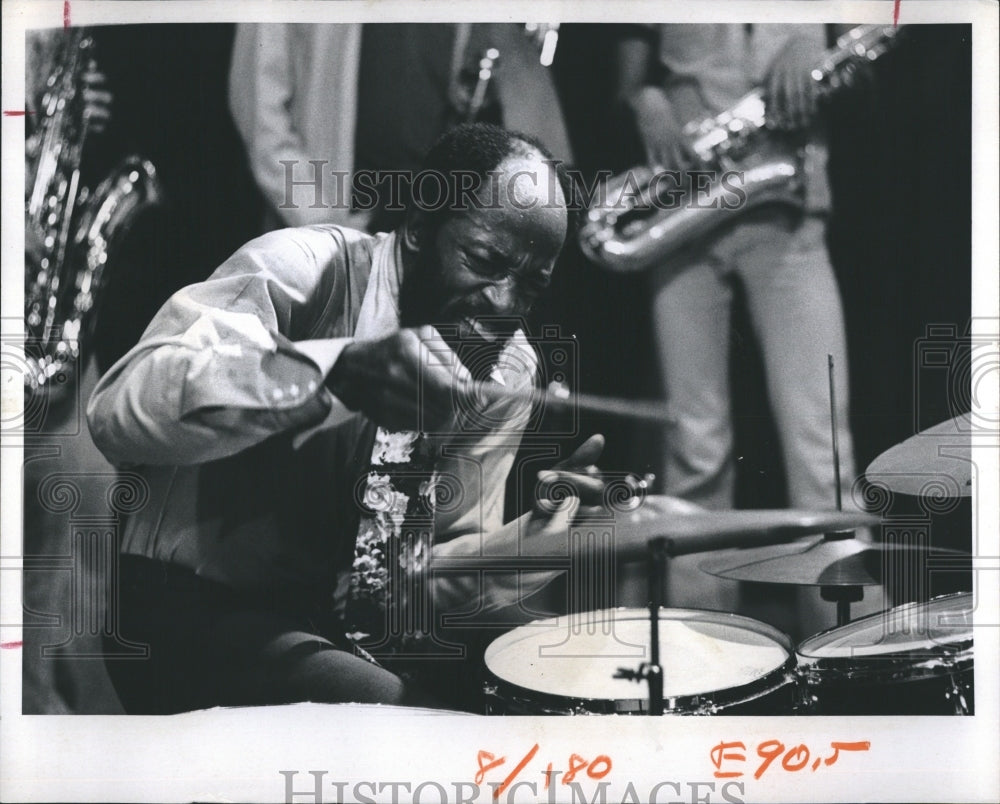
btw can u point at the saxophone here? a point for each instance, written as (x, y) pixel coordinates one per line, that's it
(71, 229)
(637, 222)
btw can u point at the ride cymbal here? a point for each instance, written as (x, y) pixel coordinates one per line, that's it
(936, 462)
(828, 562)
(690, 529)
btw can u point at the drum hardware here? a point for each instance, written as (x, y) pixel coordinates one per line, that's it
(652, 672)
(843, 596)
(957, 697)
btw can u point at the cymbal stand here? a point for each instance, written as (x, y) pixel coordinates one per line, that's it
(652, 671)
(843, 596)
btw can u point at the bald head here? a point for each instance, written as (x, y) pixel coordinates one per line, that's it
(481, 165)
(481, 261)
(529, 181)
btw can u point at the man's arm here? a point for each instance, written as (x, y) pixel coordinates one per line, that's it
(541, 536)
(218, 369)
(659, 129)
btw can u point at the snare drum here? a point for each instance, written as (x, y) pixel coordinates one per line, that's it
(914, 659)
(712, 662)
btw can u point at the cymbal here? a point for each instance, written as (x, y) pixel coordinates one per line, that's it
(691, 529)
(824, 562)
(935, 462)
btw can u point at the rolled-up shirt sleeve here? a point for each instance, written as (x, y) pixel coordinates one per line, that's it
(219, 368)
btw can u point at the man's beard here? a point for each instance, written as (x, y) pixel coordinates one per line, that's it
(478, 345)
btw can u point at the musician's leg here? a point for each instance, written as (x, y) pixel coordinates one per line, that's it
(691, 307)
(691, 316)
(795, 305)
(275, 659)
(208, 648)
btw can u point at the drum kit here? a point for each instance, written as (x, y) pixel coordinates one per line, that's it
(914, 658)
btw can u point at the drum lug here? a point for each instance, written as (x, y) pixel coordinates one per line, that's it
(957, 698)
(490, 693)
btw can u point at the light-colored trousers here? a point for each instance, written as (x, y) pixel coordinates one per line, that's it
(794, 306)
(795, 309)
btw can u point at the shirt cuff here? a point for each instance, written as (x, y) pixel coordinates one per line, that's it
(288, 378)
(323, 352)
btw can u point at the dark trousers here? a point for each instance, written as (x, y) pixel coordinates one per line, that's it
(212, 646)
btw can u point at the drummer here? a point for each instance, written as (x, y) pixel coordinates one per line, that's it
(294, 421)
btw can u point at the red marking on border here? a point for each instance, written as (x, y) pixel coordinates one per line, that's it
(11, 645)
(514, 773)
(66, 22)
(895, 12)
(15, 112)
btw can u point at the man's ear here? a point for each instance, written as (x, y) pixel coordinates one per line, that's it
(415, 229)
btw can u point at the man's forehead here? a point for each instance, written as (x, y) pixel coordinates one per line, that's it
(529, 180)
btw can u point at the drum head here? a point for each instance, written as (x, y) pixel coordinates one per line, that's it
(576, 657)
(942, 624)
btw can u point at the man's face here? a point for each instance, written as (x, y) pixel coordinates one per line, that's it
(492, 261)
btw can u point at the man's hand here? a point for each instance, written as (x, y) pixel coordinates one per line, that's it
(410, 380)
(791, 93)
(666, 144)
(576, 476)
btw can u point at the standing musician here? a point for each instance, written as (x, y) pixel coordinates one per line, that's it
(374, 97)
(672, 75)
(293, 413)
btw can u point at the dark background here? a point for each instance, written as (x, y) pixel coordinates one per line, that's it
(899, 237)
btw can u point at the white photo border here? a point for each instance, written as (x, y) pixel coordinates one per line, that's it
(238, 755)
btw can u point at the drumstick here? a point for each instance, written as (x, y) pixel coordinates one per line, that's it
(559, 396)
(556, 396)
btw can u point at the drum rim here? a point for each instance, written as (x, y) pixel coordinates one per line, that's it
(862, 622)
(697, 703)
(931, 661)
(688, 614)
